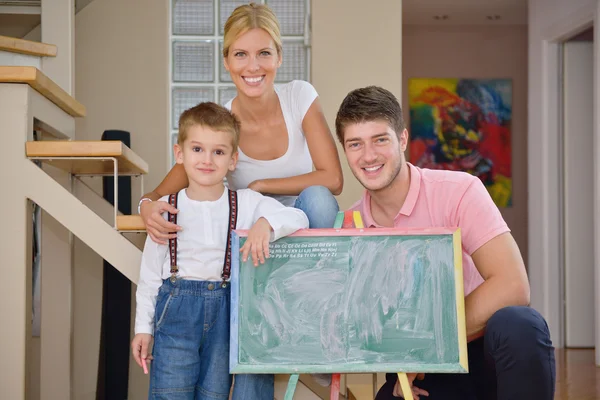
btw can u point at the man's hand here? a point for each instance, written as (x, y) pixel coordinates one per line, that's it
(257, 242)
(416, 392)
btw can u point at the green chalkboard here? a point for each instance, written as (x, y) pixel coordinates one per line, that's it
(355, 300)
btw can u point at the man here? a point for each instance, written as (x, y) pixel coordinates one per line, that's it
(510, 351)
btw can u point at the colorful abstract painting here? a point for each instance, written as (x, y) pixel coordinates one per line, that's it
(464, 125)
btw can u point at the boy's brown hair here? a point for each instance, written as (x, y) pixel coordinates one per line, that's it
(371, 103)
(209, 115)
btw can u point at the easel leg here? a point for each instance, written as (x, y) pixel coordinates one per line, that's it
(334, 394)
(291, 387)
(405, 385)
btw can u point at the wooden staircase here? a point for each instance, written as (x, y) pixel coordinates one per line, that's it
(31, 101)
(130, 223)
(33, 77)
(91, 158)
(24, 53)
(20, 46)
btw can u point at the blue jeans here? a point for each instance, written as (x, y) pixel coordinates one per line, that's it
(191, 342)
(254, 387)
(514, 360)
(319, 205)
(321, 208)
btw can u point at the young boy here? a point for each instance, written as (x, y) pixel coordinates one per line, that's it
(183, 294)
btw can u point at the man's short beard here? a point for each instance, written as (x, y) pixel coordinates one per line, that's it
(387, 184)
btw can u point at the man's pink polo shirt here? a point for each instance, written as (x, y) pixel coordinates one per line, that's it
(448, 199)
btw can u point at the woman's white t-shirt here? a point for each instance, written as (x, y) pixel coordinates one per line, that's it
(295, 99)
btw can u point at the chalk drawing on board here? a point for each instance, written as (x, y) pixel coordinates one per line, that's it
(364, 300)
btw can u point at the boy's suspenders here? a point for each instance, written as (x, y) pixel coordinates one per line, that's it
(232, 224)
(173, 242)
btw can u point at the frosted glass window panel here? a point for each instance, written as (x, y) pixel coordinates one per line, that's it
(226, 7)
(293, 65)
(226, 94)
(193, 61)
(193, 17)
(291, 15)
(184, 98)
(224, 75)
(173, 142)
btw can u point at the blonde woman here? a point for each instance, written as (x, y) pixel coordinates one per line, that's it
(283, 135)
(284, 132)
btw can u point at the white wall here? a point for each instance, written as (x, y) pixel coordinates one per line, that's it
(122, 76)
(354, 45)
(58, 28)
(437, 51)
(550, 21)
(121, 72)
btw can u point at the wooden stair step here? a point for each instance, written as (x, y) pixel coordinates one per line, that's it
(59, 151)
(16, 45)
(44, 85)
(131, 223)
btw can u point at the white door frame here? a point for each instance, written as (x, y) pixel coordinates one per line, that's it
(578, 185)
(543, 169)
(597, 181)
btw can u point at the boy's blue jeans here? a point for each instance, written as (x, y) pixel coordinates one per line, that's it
(191, 342)
(321, 208)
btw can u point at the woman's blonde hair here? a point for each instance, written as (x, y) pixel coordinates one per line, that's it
(247, 17)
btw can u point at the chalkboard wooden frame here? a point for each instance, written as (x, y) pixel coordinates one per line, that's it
(457, 365)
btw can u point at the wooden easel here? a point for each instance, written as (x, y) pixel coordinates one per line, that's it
(405, 385)
(344, 220)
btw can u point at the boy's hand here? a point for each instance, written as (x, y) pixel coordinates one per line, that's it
(257, 242)
(139, 348)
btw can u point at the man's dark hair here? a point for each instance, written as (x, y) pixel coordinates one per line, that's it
(371, 103)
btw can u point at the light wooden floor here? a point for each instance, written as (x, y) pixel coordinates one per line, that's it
(577, 378)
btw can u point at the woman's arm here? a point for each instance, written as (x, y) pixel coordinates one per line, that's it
(157, 227)
(175, 180)
(328, 171)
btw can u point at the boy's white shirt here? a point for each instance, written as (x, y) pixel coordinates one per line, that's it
(202, 242)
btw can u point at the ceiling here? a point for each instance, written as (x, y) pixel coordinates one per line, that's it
(464, 12)
(415, 12)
